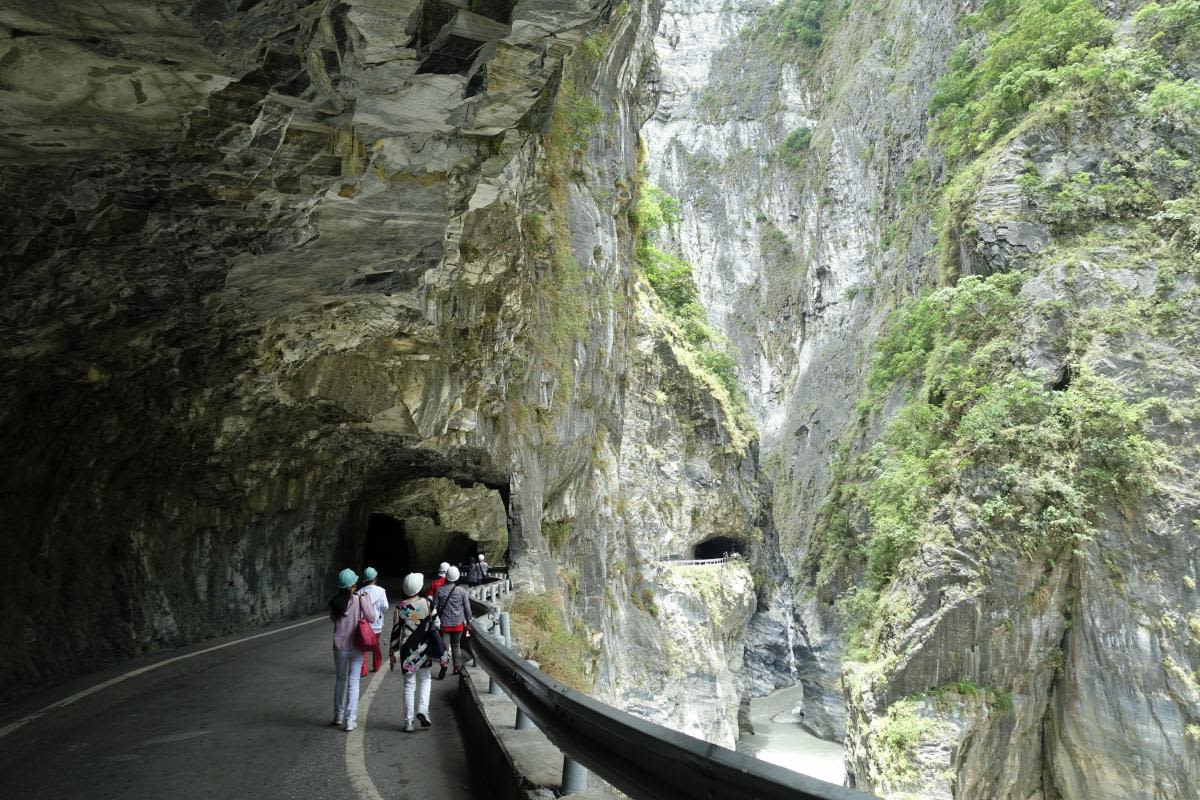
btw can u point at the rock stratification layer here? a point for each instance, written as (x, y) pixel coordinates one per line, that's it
(986, 497)
(273, 267)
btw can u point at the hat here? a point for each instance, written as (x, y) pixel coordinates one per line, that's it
(452, 574)
(481, 558)
(347, 578)
(442, 567)
(413, 582)
(369, 574)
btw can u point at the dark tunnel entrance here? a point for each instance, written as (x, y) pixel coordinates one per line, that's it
(386, 548)
(395, 549)
(717, 547)
(425, 521)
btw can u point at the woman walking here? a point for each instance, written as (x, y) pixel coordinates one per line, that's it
(454, 608)
(346, 608)
(377, 597)
(410, 613)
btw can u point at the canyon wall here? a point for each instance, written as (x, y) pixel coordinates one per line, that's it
(274, 266)
(952, 248)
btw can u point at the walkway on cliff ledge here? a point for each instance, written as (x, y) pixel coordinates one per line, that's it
(248, 720)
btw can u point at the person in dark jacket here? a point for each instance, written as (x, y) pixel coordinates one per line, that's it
(478, 572)
(454, 610)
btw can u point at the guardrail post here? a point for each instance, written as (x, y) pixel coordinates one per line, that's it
(523, 722)
(505, 630)
(574, 776)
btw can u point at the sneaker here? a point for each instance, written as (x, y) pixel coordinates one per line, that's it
(457, 670)
(408, 726)
(336, 721)
(350, 725)
(425, 723)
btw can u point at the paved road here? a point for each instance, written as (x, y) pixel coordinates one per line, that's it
(248, 720)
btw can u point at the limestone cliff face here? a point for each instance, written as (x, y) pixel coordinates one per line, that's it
(987, 604)
(785, 244)
(275, 266)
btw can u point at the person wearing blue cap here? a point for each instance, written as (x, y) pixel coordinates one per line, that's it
(377, 597)
(346, 608)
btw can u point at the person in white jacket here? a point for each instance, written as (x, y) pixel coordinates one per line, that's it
(377, 597)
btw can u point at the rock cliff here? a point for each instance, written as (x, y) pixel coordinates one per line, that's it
(276, 266)
(953, 246)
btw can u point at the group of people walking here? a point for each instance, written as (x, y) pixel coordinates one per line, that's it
(428, 626)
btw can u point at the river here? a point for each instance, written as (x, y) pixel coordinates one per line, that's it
(780, 740)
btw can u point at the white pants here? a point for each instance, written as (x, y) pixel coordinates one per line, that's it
(348, 664)
(416, 686)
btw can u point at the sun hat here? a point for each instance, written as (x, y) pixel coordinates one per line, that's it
(369, 574)
(481, 558)
(452, 574)
(413, 582)
(347, 578)
(442, 567)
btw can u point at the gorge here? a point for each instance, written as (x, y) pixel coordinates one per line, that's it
(897, 299)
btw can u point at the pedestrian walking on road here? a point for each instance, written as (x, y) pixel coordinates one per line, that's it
(478, 572)
(410, 613)
(454, 609)
(439, 581)
(377, 597)
(346, 608)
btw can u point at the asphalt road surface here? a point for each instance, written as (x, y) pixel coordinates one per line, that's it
(250, 719)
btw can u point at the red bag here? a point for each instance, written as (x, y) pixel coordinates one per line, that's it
(367, 639)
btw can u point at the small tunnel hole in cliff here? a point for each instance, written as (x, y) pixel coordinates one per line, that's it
(717, 547)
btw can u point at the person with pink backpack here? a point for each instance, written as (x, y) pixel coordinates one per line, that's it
(346, 608)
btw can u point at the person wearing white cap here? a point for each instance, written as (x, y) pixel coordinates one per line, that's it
(439, 581)
(410, 612)
(478, 572)
(454, 609)
(377, 597)
(346, 608)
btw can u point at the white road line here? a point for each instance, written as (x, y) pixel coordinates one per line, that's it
(356, 759)
(23, 721)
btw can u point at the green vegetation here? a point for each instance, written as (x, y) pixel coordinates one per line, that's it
(671, 279)
(555, 533)
(899, 734)
(1030, 45)
(793, 150)
(541, 636)
(1049, 455)
(796, 24)
(1172, 30)
(1072, 203)
(572, 125)
(574, 120)
(999, 700)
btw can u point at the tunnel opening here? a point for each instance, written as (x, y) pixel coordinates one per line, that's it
(386, 546)
(718, 547)
(423, 522)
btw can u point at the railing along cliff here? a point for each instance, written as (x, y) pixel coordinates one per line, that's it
(644, 760)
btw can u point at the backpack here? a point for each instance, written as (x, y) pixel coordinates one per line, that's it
(425, 642)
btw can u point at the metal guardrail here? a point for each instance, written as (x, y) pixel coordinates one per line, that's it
(642, 759)
(490, 592)
(691, 562)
